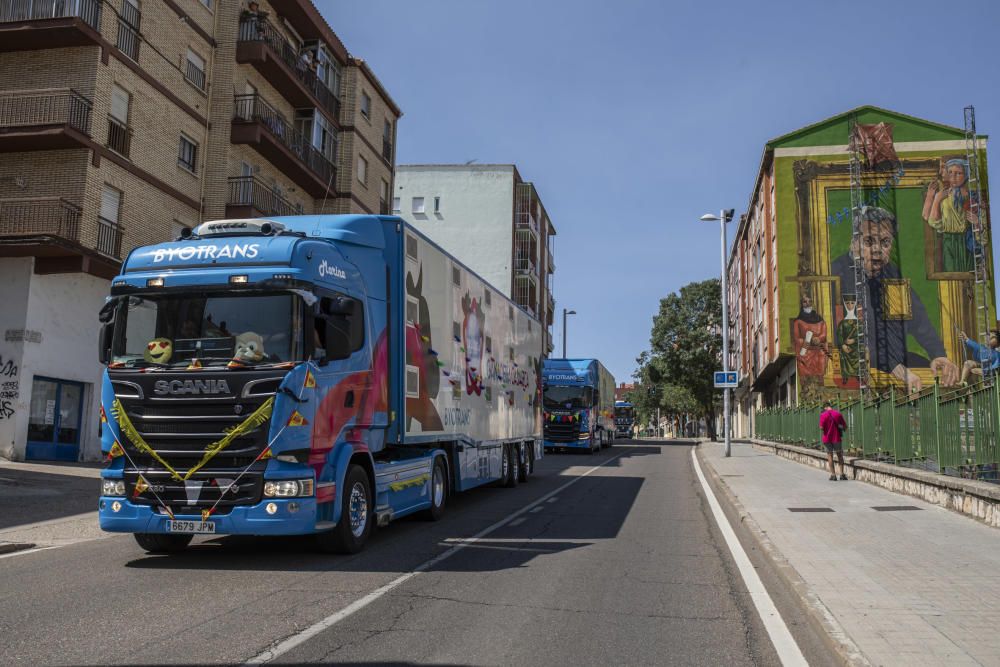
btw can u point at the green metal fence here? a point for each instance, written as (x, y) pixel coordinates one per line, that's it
(951, 431)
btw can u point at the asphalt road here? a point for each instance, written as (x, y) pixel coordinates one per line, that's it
(624, 565)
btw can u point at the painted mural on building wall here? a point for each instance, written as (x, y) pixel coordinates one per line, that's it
(916, 239)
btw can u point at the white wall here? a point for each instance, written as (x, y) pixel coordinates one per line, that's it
(476, 221)
(64, 307)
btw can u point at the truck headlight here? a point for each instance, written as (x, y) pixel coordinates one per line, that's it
(288, 488)
(112, 487)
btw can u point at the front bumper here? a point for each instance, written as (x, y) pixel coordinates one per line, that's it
(583, 443)
(242, 520)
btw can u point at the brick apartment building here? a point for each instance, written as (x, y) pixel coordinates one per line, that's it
(793, 293)
(491, 219)
(121, 123)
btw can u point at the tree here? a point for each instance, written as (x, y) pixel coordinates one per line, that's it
(686, 345)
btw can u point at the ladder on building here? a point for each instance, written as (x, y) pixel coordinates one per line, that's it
(980, 268)
(860, 282)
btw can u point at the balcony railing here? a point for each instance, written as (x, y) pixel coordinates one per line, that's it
(119, 136)
(109, 237)
(250, 191)
(49, 216)
(258, 29)
(524, 266)
(195, 75)
(387, 149)
(34, 108)
(128, 30)
(252, 108)
(12, 11)
(527, 221)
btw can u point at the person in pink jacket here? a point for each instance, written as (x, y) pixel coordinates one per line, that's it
(832, 424)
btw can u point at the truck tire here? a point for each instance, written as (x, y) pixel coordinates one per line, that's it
(509, 469)
(438, 491)
(355, 525)
(156, 543)
(524, 465)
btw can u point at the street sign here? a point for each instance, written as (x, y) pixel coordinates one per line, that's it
(726, 379)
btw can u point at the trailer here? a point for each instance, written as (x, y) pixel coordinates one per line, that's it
(307, 375)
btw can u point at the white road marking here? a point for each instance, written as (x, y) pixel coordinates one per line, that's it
(537, 509)
(517, 522)
(297, 639)
(784, 644)
(552, 499)
(32, 550)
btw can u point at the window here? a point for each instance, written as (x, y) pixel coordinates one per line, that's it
(120, 104)
(340, 327)
(411, 247)
(195, 71)
(383, 196)
(324, 136)
(412, 310)
(187, 155)
(109, 231)
(395, 205)
(418, 204)
(488, 299)
(456, 332)
(456, 276)
(362, 170)
(437, 204)
(207, 3)
(412, 382)
(366, 105)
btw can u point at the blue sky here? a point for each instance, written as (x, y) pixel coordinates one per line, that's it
(633, 118)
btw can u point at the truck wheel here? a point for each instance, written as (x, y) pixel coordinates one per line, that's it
(355, 525)
(510, 463)
(439, 491)
(524, 463)
(155, 543)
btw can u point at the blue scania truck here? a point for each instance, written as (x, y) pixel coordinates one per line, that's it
(578, 400)
(307, 375)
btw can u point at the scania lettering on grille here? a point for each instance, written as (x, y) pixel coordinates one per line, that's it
(190, 387)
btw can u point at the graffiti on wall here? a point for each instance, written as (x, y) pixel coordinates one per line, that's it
(915, 240)
(9, 387)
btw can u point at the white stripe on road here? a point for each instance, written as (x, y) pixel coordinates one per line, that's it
(784, 644)
(297, 639)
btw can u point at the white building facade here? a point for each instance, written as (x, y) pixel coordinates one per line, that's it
(491, 220)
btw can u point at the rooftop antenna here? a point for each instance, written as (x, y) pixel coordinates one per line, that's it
(329, 184)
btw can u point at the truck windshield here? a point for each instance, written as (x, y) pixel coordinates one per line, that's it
(623, 415)
(567, 398)
(173, 330)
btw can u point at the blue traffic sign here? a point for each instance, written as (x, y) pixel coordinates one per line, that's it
(726, 379)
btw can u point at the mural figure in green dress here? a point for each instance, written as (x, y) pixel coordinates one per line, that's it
(847, 338)
(947, 211)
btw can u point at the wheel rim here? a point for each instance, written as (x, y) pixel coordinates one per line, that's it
(438, 487)
(358, 509)
(506, 463)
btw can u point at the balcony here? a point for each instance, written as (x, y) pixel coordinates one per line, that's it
(249, 197)
(262, 45)
(48, 24)
(526, 222)
(257, 123)
(44, 216)
(109, 237)
(550, 264)
(44, 120)
(119, 136)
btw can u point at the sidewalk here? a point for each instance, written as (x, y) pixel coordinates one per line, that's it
(907, 587)
(47, 504)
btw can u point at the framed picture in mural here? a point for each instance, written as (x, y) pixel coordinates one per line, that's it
(915, 248)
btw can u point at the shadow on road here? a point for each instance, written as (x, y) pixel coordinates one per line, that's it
(29, 497)
(593, 508)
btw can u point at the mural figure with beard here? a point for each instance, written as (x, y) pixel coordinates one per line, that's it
(809, 337)
(472, 341)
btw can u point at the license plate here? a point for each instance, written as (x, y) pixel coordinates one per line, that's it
(200, 527)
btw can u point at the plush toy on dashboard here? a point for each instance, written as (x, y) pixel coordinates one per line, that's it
(249, 347)
(158, 351)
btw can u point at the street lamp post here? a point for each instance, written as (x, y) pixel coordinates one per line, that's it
(724, 216)
(565, 313)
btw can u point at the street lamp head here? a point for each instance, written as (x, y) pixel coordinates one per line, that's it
(708, 217)
(571, 312)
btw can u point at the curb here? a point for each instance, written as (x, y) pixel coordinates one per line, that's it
(819, 617)
(11, 547)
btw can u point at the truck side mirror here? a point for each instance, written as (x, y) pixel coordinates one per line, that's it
(342, 306)
(104, 342)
